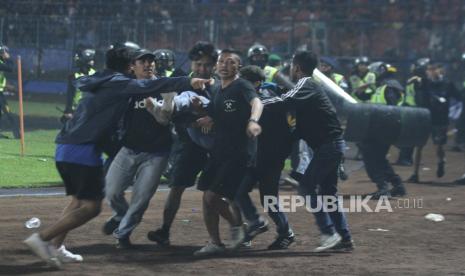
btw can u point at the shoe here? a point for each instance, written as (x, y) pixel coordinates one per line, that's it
(441, 170)
(123, 243)
(282, 241)
(343, 176)
(413, 179)
(246, 244)
(378, 194)
(404, 162)
(345, 246)
(398, 191)
(66, 256)
(43, 250)
(460, 181)
(290, 181)
(110, 226)
(210, 249)
(159, 236)
(256, 229)
(237, 236)
(328, 242)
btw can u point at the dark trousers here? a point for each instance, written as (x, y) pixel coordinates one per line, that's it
(377, 166)
(267, 178)
(320, 178)
(5, 110)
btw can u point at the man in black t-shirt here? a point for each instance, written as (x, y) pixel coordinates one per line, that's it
(140, 162)
(234, 111)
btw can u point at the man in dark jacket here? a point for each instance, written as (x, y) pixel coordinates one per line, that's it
(78, 154)
(317, 124)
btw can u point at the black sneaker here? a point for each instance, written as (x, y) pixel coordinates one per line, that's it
(413, 179)
(159, 236)
(376, 195)
(398, 191)
(256, 229)
(345, 246)
(123, 243)
(441, 170)
(110, 226)
(282, 242)
(460, 181)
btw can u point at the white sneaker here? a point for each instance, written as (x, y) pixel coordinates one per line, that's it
(328, 242)
(66, 256)
(237, 236)
(210, 249)
(43, 250)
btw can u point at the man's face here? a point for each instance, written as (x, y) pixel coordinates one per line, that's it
(362, 68)
(144, 68)
(324, 67)
(431, 72)
(202, 68)
(228, 65)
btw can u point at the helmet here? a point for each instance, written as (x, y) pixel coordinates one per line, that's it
(419, 66)
(362, 60)
(258, 55)
(85, 58)
(330, 61)
(87, 55)
(164, 60)
(381, 69)
(128, 44)
(3, 48)
(257, 49)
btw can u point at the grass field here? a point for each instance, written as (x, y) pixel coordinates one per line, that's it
(37, 167)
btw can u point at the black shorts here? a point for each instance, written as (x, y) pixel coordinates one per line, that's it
(439, 135)
(192, 159)
(81, 181)
(223, 176)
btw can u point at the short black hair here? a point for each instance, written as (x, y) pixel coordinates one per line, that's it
(201, 49)
(232, 51)
(306, 60)
(252, 73)
(118, 59)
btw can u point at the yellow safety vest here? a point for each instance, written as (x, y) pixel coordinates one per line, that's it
(269, 73)
(78, 94)
(356, 82)
(337, 78)
(410, 95)
(379, 97)
(168, 73)
(2, 79)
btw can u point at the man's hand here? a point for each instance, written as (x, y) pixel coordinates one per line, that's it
(197, 105)
(5, 55)
(149, 103)
(205, 123)
(253, 129)
(199, 84)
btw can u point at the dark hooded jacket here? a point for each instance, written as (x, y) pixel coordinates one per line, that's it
(106, 97)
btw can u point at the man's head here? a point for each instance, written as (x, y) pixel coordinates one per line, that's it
(258, 55)
(85, 58)
(326, 65)
(361, 64)
(203, 56)
(164, 60)
(228, 64)
(119, 59)
(254, 74)
(4, 51)
(303, 64)
(143, 64)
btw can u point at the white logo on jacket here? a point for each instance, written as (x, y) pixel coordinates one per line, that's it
(229, 105)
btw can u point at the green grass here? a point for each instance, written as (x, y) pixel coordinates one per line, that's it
(37, 167)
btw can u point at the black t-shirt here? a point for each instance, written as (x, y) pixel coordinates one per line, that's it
(142, 132)
(230, 109)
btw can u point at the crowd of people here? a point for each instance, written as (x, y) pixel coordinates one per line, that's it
(395, 30)
(223, 120)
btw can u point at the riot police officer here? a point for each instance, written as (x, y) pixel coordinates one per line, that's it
(6, 65)
(84, 66)
(362, 81)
